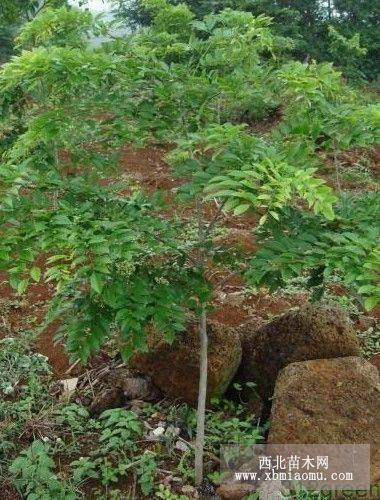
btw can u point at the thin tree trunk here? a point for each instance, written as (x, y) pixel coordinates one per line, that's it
(202, 394)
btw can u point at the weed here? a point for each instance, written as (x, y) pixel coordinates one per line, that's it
(370, 342)
(33, 474)
(73, 416)
(83, 469)
(166, 494)
(120, 428)
(146, 473)
(18, 366)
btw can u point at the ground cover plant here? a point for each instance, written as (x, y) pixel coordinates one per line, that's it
(124, 261)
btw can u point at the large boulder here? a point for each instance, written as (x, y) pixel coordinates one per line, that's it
(174, 368)
(311, 332)
(335, 401)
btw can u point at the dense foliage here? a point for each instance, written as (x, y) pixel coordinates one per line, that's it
(119, 264)
(345, 32)
(13, 14)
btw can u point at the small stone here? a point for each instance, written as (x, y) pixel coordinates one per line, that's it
(107, 399)
(182, 446)
(272, 490)
(172, 431)
(167, 480)
(69, 386)
(158, 431)
(136, 388)
(235, 491)
(189, 491)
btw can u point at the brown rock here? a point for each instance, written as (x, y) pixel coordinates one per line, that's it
(375, 360)
(189, 491)
(314, 331)
(174, 369)
(235, 491)
(117, 387)
(335, 401)
(364, 323)
(270, 490)
(107, 399)
(137, 388)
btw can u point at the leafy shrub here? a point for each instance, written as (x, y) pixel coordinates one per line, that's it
(22, 388)
(347, 52)
(347, 247)
(120, 429)
(72, 416)
(146, 473)
(19, 366)
(34, 476)
(60, 27)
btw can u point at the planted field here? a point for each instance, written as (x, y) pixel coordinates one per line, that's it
(189, 253)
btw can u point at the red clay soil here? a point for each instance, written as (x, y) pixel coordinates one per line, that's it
(375, 161)
(258, 307)
(147, 167)
(352, 159)
(354, 156)
(20, 313)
